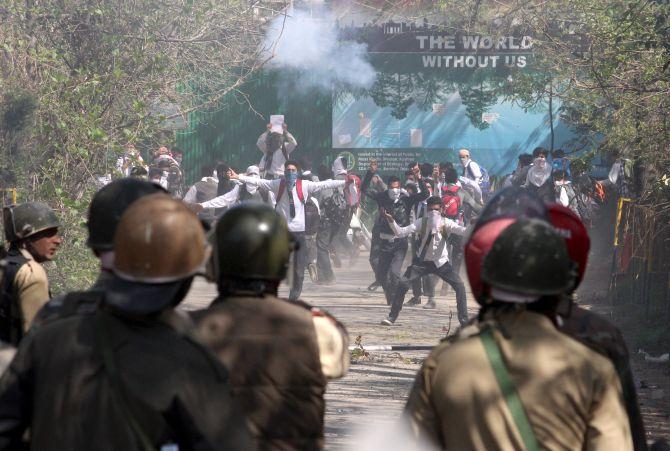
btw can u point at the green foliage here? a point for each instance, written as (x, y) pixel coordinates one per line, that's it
(16, 109)
(79, 81)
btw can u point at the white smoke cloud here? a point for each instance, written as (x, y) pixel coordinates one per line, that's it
(311, 47)
(395, 436)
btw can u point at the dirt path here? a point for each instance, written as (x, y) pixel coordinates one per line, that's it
(373, 393)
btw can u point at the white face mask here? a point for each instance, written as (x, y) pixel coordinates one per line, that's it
(435, 219)
(539, 172)
(394, 194)
(251, 189)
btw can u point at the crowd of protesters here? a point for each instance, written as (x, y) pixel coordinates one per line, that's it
(118, 367)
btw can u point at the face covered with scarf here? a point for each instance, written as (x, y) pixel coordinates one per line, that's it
(434, 214)
(252, 171)
(539, 172)
(290, 175)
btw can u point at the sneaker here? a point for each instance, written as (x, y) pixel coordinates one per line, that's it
(430, 305)
(313, 274)
(373, 286)
(414, 301)
(387, 322)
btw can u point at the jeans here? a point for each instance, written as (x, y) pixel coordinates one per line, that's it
(323, 266)
(391, 256)
(299, 265)
(424, 285)
(444, 272)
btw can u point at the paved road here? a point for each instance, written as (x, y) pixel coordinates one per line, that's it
(370, 398)
(375, 390)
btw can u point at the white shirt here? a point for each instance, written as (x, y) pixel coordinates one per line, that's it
(283, 206)
(472, 171)
(231, 198)
(437, 251)
(278, 160)
(191, 195)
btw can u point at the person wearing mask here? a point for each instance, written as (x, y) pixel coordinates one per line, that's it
(290, 194)
(127, 375)
(276, 148)
(539, 179)
(421, 285)
(280, 354)
(104, 214)
(473, 176)
(31, 229)
(399, 204)
(512, 379)
(431, 257)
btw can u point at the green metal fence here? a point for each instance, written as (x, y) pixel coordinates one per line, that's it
(229, 132)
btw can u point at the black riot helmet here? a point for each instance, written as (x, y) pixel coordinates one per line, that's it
(24, 220)
(529, 258)
(109, 204)
(252, 242)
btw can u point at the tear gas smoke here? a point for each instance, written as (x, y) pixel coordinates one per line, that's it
(310, 48)
(396, 436)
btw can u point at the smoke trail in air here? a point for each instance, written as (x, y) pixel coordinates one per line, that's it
(309, 49)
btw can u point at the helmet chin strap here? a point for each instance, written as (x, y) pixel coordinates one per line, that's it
(254, 287)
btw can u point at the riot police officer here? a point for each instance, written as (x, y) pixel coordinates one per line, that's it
(280, 353)
(31, 229)
(512, 380)
(126, 375)
(104, 214)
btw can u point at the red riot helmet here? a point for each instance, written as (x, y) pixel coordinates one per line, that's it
(477, 247)
(577, 240)
(504, 209)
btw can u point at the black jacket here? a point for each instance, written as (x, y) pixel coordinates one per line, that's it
(399, 210)
(59, 387)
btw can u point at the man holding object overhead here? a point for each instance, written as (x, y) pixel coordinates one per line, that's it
(276, 144)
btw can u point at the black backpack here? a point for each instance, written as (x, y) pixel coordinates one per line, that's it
(11, 317)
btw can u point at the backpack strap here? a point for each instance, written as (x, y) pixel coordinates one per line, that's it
(298, 188)
(280, 191)
(508, 390)
(282, 188)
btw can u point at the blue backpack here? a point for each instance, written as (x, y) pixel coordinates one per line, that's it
(485, 182)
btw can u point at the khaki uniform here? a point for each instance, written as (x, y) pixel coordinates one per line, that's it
(31, 289)
(571, 394)
(280, 355)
